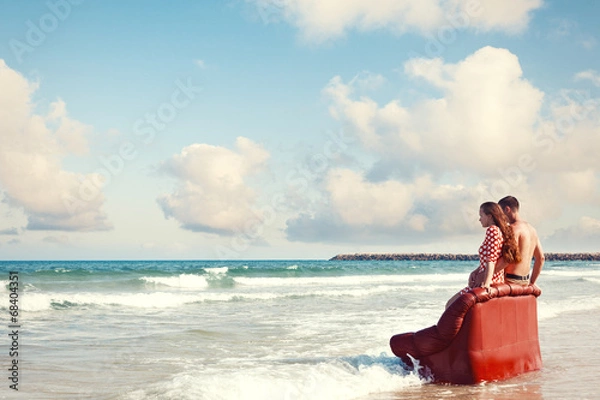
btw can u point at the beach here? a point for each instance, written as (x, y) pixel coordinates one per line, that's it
(285, 329)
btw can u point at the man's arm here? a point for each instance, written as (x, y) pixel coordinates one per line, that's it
(538, 254)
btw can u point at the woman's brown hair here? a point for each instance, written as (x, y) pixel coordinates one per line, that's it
(510, 249)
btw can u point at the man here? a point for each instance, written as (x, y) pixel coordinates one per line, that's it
(529, 246)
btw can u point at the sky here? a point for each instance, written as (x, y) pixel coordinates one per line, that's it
(294, 129)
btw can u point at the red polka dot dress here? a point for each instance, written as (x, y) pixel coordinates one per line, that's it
(490, 251)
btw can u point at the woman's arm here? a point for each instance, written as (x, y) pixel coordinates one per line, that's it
(489, 274)
(492, 245)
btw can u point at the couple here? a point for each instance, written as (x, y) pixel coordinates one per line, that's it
(509, 246)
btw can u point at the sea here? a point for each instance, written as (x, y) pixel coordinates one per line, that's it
(265, 329)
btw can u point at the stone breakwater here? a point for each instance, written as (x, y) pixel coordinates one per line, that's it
(452, 257)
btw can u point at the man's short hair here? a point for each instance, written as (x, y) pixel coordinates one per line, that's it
(510, 202)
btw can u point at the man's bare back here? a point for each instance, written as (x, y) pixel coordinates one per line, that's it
(529, 246)
(528, 242)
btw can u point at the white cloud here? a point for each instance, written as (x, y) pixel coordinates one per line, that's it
(321, 20)
(581, 236)
(60, 240)
(71, 133)
(9, 231)
(589, 42)
(200, 63)
(511, 16)
(356, 210)
(570, 136)
(32, 147)
(579, 186)
(364, 203)
(485, 117)
(591, 75)
(487, 134)
(213, 194)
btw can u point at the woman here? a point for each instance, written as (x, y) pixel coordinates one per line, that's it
(499, 242)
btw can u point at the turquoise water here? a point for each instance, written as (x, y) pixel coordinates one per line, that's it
(284, 329)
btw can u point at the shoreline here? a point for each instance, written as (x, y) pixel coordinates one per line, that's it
(452, 257)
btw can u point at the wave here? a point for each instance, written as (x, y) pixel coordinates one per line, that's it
(554, 309)
(323, 378)
(180, 281)
(41, 301)
(217, 279)
(217, 270)
(577, 273)
(157, 300)
(213, 280)
(350, 280)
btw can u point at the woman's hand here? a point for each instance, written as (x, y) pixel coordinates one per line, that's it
(476, 278)
(471, 282)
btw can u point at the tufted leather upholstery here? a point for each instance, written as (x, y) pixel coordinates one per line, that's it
(482, 336)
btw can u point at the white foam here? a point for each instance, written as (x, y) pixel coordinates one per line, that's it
(4, 286)
(571, 272)
(330, 379)
(217, 270)
(350, 280)
(554, 309)
(39, 301)
(181, 281)
(156, 300)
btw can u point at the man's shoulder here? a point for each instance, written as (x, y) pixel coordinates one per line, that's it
(523, 227)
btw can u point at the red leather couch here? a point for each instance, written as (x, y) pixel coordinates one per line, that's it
(481, 337)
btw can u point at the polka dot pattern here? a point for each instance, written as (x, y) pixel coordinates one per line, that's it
(491, 250)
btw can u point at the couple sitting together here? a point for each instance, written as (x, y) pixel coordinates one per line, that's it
(507, 250)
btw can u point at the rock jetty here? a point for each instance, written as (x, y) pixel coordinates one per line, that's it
(452, 257)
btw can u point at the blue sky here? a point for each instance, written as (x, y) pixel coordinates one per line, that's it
(293, 128)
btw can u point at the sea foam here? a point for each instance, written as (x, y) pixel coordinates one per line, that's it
(336, 378)
(180, 281)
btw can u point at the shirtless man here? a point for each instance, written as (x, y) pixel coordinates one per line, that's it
(529, 246)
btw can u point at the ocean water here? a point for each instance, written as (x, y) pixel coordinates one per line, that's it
(288, 330)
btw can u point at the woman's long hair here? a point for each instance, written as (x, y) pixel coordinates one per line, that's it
(510, 249)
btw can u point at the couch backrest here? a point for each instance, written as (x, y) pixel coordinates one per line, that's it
(436, 338)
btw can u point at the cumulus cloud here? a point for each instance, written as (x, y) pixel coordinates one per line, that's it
(213, 194)
(590, 75)
(32, 147)
(358, 210)
(582, 236)
(364, 203)
(487, 134)
(500, 15)
(9, 231)
(486, 104)
(321, 20)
